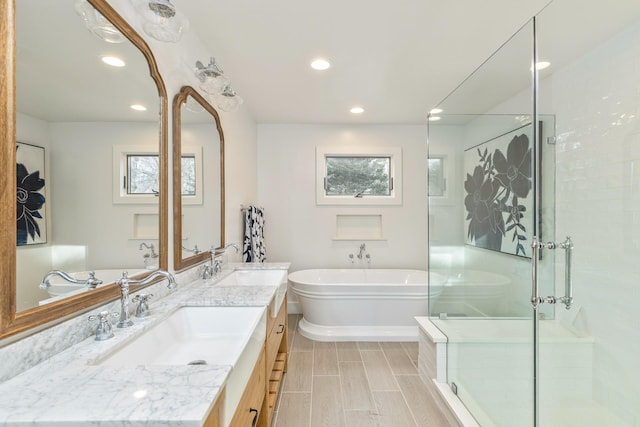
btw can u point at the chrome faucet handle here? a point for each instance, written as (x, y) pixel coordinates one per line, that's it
(142, 309)
(207, 272)
(104, 330)
(93, 281)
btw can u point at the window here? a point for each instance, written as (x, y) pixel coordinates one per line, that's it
(137, 179)
(357, 176)
(142, 174)
(437, 182)
(189, 181)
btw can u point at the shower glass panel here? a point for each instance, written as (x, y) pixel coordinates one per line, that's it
(588, 356)
(481, 228)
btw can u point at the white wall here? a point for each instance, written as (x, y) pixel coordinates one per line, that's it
(299, 231)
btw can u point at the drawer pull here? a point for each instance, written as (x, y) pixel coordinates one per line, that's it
(281, 330)
(255, 417)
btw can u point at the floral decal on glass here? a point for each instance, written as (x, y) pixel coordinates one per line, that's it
(498, 197)
(30, 199)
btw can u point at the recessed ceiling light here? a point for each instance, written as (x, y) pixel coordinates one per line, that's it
(357, 110)
(138, 107)
(113, 61)
(436, 111)
(320, 64)
(541, 65)
(434, 118)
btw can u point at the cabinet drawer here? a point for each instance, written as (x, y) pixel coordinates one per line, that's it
(251, 402)
(275, 335)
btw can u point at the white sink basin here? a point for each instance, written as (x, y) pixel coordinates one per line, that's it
(275, 278)
(198, 335)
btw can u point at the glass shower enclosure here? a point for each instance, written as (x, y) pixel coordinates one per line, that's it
(528, 158)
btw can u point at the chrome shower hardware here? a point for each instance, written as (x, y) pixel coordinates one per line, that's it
(567, 299)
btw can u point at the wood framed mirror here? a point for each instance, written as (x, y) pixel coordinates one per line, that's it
(74, 110)
(198, 179)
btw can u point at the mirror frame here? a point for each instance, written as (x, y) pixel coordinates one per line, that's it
(12, 323)
(180, 263)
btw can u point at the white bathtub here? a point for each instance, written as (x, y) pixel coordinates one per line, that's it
(468, 293)
(360, 304)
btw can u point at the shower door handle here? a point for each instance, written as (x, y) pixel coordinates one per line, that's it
(536, 246)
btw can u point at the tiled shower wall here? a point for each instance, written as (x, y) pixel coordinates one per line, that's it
(596, 101)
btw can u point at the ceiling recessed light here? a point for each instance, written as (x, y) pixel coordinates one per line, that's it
(541, 65)
(138, 107)
(434, 118)
(320, 64)
(436, 111)
(357, 110)
(113, 61)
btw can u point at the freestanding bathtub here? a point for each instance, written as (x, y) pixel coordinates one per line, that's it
(472, 293)
(360, 304)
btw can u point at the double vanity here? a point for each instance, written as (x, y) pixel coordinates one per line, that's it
(212, 352)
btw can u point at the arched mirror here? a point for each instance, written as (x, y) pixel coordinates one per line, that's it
(198, 179)
(89, 171)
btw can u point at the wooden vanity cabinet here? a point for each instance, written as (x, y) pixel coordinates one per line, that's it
(276, 361)
(251, 402)
(213, 419)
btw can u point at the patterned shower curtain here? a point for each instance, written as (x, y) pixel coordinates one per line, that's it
(253, 247)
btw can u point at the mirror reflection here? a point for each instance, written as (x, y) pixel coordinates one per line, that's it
(198, 178)
(77, 126)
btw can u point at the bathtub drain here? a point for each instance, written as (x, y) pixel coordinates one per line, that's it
(197, 362)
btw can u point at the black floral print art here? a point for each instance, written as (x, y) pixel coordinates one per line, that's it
(28, 202)
(493, 193)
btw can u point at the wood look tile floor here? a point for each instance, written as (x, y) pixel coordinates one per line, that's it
(353, 384)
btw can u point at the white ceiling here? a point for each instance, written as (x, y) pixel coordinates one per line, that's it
(394, 58)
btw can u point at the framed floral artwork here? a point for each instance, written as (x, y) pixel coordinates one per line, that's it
(499, 199)
(30, 201)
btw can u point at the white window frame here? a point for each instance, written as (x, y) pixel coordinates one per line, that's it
(395, 174)
(120, 195)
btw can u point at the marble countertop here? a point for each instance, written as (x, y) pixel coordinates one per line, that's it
(70, 389)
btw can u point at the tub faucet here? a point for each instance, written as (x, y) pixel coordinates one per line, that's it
(148, 256)
(363, 250)
(92, 282)
(125, 300)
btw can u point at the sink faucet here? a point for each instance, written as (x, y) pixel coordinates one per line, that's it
(216, 261)
(124, 283)
(221, 251)
(92, 282)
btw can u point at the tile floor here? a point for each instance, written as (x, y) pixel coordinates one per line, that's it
(353, 384)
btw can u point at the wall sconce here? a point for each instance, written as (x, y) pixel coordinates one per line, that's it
(228, 100)
(98, 24)
(161, 20)
(212, 78)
